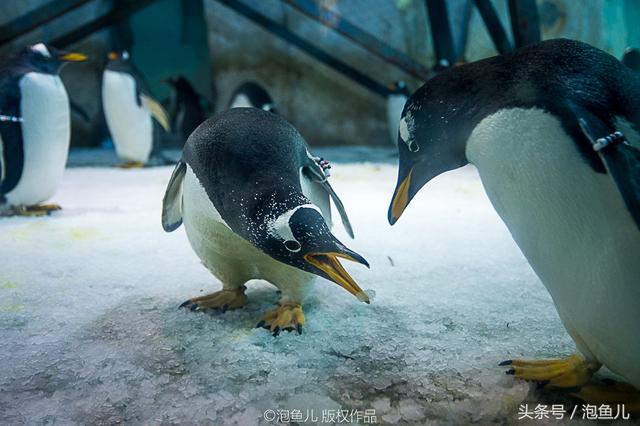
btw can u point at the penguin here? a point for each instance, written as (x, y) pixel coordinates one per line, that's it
(399, 93)
(256, 205)
(553, 129)
(186, 110)
(35, 128)
(631, 58)
(251, 94)
(128, 108)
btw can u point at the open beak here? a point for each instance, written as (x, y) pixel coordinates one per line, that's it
(73, 57)
(401, 198)
(330, 265)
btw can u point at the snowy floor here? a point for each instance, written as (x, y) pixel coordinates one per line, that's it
(91, 332)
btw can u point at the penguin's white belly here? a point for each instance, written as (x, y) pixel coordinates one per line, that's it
(572, 226)
(230, 257)
(46, 128)
(129, 123)
(395, 105)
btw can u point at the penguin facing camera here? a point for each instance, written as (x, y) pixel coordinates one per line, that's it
(251, 94)
(128, 109)
(35, 128)
(186, 110)
(399, 93)
(553, 129)
(256, 205)
(631, 58)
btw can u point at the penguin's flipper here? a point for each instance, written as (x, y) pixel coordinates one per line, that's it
(317, 174)
(172, 201)
(156, 110)
(622, 161)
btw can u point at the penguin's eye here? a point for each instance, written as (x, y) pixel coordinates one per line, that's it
(413, 146)
(292, 245)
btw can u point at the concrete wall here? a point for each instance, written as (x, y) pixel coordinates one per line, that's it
(329, 108)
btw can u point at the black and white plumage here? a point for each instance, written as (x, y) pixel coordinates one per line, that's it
(128, 109)
(534, 123)
(34, 126)
(186, 109)
(256, 205)
(252, 94)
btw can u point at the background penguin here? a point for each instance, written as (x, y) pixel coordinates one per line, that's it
(255, 205)
(395, 102)
(251, 94)
(631, 58)
(539, 125)
(34, 128)
(186, 109)
(128, 109)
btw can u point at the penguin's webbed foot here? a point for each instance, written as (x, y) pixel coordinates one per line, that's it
(33, 211)
(223, 300)
(567, 372)
(130, 165)
(612, 393)
(288, 317)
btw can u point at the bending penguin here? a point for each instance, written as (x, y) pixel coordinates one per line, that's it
(251, 94)
(256, 205)
(395, 103)
(35, 128)
(128, 108)
(553, 131)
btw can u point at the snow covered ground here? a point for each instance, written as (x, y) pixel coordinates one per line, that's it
(91, 331)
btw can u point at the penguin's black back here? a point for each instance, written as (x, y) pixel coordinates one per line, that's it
(564, 77)
(242, 154)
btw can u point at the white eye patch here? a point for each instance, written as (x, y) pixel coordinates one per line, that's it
(42, 49)
(281, 229)
(406, 132)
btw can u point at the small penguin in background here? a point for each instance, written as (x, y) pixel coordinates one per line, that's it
(395, 102)
(631, 58)
(251, 94)
(186, 109)
(256, 205)
(35, 129)
(554, 131)
(128, 108)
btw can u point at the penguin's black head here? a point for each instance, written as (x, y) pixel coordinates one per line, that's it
(431, 139)
(631, 58)
(119, 56)
(49, 60)
(300, 238)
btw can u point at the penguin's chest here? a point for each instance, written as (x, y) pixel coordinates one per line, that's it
(44, 107)
(208, 233)
(572, 226)
(129, 123)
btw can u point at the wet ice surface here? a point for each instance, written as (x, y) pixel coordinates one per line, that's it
(91, 332)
